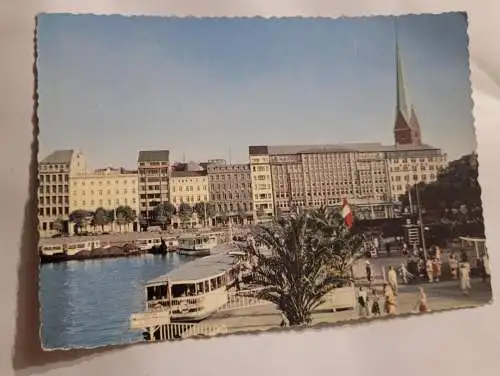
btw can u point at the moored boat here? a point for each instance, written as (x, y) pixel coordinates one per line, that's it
(197, 244)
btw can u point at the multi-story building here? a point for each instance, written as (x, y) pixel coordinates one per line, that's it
(262, 189)
(153, 169)
(54, 173)
(370, 175)
(230, 187)
(105, 188)
(189, 186)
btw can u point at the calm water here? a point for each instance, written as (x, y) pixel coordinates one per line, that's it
(88, 303)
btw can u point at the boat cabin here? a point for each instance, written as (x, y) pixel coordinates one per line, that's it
(196, 289)
(147, 244)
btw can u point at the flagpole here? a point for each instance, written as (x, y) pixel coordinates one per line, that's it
(422, 230)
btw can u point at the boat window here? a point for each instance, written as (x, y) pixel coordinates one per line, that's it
(157, 292)
(179, 291)
(207, 286)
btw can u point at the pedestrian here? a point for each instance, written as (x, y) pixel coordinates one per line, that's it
(390, 300)
(368, 269)
(388, 249)
(436, 269)
(239, 279)
(375, 310)
(486, 267)
(392, 278)
(453, 263)
(405, 274)
(284, 320)
(404, 251)
(422, 301)
(362, 302)
(464, 273)
(429, 269)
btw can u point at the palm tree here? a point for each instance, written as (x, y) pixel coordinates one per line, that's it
(125, 215)
(303, 263)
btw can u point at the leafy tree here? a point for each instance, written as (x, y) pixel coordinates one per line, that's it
(101, 217)
(224, 217)
(163, 213)
(241, 215)
(204, 210)
(308, 255)
(455, 195)
(185, 212)
(125, 215)
(260, 212)
(58, 225)
(81, 218)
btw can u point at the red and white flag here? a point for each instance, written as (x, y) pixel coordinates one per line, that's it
(347, 214)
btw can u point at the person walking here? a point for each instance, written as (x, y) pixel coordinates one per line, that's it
(362, 302)
(429, 269)
(375, 308)
(405, 274)
(464, 274)
(422, 306)
(368, 270)
(390, 300)
(453, 263)
(436, 269)
(486, 267)
(392, 278)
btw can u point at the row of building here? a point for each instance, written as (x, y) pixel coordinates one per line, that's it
(276, 179)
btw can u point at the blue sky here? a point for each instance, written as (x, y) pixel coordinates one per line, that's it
(208, 88)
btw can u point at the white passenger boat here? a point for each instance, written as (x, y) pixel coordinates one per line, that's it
(197, 244)
(71, 248)
(148, 244)
(76, 247)
(195, 290)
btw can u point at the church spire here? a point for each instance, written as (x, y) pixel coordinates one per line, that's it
(401, 96)
(406, 127)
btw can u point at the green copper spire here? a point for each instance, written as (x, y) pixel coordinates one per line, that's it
(401, 100)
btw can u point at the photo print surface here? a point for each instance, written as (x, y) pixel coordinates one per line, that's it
(208, 176)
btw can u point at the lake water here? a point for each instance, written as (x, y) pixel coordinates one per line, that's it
(89, 303)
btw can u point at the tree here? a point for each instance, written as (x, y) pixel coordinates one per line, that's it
(81, 218)
(163, 213)
(224, 217)
(58, 225)
(185, 212)
(125, 215)
(260, 212)
(241, 215)
(101, 217)
(454, 195)
(204, 210)
(308, 255)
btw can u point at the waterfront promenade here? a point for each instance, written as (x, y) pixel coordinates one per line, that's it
(441, 296)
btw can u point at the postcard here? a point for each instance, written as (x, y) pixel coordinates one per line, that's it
(201, 177)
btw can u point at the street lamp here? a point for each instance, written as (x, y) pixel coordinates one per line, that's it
(421, 222)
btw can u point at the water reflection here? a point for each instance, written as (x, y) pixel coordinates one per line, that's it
(88, 303)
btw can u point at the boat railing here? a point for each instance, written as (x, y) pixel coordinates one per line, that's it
(181, 304)
(174, 331)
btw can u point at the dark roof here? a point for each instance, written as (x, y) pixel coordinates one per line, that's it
(153, 156)
(181, 174)
(258, 150)
(58, 156)
(347, 147)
